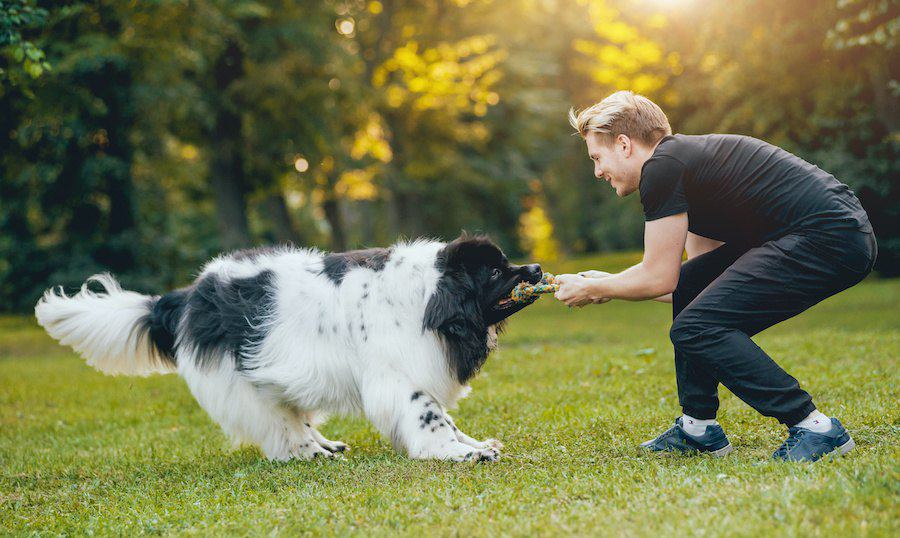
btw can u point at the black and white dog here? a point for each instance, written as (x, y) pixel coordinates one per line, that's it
(271, 341)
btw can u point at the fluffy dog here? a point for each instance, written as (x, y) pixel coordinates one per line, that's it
(271, 341)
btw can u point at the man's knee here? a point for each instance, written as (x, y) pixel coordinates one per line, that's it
(685, 331)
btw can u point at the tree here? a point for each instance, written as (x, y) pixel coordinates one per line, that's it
(18, 54)
(68, 195)
(773, 76)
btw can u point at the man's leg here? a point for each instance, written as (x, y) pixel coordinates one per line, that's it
(697, 386)
(698, 394)
(765, 286)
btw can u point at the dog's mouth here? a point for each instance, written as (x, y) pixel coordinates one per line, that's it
(505, 306)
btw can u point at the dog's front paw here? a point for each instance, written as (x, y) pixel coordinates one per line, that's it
(310, 450)
(482, 454)
(337, 446)
(493, 443)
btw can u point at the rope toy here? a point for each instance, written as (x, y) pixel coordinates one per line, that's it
(529, 293)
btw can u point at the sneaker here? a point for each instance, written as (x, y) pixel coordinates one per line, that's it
(675, 439)
(807, 445)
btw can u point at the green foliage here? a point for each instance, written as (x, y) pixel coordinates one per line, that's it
(867, 23)
(17, 16)
(570, 392)
(67, 199)
(773, 77)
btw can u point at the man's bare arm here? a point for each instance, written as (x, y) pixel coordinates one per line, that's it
(657, 274)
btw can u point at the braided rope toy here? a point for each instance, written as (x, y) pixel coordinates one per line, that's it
(528, 293)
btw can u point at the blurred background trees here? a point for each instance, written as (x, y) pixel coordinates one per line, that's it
(144, 137)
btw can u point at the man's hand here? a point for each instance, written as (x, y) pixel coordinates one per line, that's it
(594, 274)
(576, 290)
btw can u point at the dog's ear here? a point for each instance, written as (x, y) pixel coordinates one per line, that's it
(453, 313)
(454, 302)
(453, 307)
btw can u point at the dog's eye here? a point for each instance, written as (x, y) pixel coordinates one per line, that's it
(496, 273)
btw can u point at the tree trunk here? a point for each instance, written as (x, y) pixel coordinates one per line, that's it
(280, 218)
(116, 82)
(227, 167)
(333, 216)
(409, 217)
(406, 201)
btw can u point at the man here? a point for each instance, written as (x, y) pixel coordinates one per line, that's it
(767, 236)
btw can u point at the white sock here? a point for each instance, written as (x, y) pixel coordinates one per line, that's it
(695, 426)
(815, 421)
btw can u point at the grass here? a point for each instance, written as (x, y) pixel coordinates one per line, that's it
(571, 393)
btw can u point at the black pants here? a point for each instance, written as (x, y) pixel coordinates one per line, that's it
(727, 295)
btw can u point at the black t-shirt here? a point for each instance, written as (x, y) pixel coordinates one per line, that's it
(738, 188)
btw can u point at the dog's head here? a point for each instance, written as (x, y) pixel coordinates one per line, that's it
(471, 296)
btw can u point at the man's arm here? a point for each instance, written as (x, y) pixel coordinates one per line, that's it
(656, 275)
(695, 245)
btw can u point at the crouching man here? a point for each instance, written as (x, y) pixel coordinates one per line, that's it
(767, 236)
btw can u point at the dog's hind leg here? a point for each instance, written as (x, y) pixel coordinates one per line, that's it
(331, 446)
(416, 423)
(306, 421)
(248, 414)
(305, 442)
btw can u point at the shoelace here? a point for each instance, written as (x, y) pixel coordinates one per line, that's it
(789, 443)
(666, 433)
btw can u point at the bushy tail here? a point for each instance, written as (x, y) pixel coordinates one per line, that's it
(117, 331)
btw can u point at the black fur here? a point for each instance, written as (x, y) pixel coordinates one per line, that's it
(223, 317)
(454, 310)
(475, 275)
(427, 418)
(161, 323)
(335, 266)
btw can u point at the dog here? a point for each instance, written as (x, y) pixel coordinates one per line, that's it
(272, 341)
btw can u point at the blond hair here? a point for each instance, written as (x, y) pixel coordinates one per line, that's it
(626, 113)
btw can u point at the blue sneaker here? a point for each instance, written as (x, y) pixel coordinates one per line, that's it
(675, 439)
(807, 445)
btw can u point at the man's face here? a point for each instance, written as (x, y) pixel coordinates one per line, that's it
(613, 163)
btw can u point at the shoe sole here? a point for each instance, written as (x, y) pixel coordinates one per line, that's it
(846, 447)
(838, 451)
(724, 451)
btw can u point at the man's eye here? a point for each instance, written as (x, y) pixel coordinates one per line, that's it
(496, 273)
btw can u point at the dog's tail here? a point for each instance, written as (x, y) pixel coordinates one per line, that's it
(117, 331)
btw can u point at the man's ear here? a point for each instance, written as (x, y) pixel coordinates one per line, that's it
(625, 145)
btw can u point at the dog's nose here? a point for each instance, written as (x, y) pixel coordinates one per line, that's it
(534, 273)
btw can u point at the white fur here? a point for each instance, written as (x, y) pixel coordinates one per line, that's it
(315, 360)
(100, 326)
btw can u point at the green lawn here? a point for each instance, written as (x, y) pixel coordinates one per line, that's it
(570, 393)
